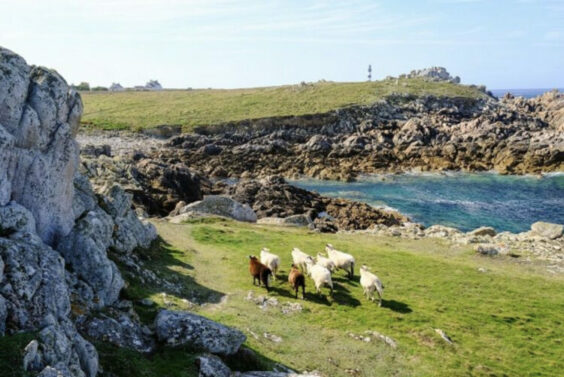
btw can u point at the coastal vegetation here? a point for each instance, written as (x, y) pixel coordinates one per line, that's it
(135, 110)
(503, 316)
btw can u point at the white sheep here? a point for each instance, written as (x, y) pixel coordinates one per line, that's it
(299, 258)
(325, 262)
(371, 283)
(270, 260)
(320, 275)
(342, 260)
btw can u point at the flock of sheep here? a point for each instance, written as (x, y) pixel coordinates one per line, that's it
(319, 269)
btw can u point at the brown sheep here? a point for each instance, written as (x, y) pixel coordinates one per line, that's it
(296, 280)
(259, 271)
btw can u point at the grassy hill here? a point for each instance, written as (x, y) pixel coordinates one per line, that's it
(504, 317)
(189, 108)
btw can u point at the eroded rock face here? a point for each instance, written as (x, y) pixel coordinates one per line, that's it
(55, 232)
(39, 115)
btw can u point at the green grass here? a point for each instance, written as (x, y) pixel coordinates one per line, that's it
(11, 354)
(507, 321)
(189, 108)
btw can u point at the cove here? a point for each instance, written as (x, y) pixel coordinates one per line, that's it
(462, 200)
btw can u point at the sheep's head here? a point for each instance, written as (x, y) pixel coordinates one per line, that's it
(252, 257)
(364, 267)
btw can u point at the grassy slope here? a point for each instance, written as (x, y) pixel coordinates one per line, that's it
(506, 321)
(137, 110)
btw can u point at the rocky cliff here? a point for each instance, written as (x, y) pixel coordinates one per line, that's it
(55, 232)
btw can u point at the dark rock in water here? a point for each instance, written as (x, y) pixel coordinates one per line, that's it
(183, 328)
(274, 197)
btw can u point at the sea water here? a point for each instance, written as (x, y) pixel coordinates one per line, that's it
(462, 200)
(527, 93)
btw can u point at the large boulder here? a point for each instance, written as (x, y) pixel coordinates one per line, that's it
(39, 116)
(120, 331)
(221, 206)
(547, 230)
(182, 328)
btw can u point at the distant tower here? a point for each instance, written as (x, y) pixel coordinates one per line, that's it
(369, 72)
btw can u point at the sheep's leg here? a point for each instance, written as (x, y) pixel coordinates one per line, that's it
(296, 290)
(379, 299)
(303, 292)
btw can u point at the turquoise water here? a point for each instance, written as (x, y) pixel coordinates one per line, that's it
(464, 201)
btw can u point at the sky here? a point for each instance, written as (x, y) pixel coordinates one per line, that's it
(249, 43)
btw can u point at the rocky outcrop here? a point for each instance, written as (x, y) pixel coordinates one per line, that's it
(178, 328)
(538, 244)
(156, 184)
(55, 232)
(398, 134)
(433, 74)
(38, 155)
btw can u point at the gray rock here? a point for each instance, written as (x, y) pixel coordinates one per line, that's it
(129, 232)
(34, 281)
(122, 332)
(179, 328)
(87, 355)
(15, 218)
(547, 230)
(272, 374)
(212, 366)
(84, 199)
(39, 115)
(487, 249)
(483, 231)
(52, 372)
(221, 206)
(3, 314)
(84, 250)
(294, 220)
(31, 359)
(147, 302)
(298, 220)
